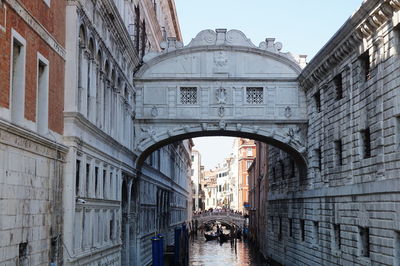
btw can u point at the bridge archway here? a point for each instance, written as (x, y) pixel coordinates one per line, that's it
(221, 84)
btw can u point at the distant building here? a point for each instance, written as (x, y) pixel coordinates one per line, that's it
(246, 152)
(196, 177)
(258, 186)
(210, 189)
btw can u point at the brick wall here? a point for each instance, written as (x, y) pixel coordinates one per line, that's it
(54, 18)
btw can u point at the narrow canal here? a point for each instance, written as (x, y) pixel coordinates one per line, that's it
(213, 253)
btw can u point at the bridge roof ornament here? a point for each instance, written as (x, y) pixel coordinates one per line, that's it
(222, 37)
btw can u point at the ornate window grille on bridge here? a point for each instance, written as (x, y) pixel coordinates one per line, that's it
(254, 95)
(188, 95)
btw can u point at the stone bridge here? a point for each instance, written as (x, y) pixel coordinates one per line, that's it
(225, 217)
(221, 84)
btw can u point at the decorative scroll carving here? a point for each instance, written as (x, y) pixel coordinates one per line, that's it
(221, 111)
(288, 112)
(154, 111)
(221, 95)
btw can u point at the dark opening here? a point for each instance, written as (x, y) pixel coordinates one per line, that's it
(302, 230)
(366, 137)
(77, 176)
(338, 149)
(364, 237)
(338, 240)
(317, 99)
(365, 66)
(96, 179)
(338, 82)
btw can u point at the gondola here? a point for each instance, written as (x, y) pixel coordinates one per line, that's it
(223, 237)
(210, 236)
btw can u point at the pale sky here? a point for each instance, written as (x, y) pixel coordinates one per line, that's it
(302, 26)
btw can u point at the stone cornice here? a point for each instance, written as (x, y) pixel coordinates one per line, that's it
(361, 25)
(80, 120)
(37, 27)
(30, 141)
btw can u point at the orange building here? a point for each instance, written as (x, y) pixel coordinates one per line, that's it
(246, 154)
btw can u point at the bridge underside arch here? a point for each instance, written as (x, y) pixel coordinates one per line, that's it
(285, 138)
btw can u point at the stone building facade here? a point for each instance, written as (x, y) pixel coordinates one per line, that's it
(246, 154)
(32, 156)
(346, 211)
(111, 208)
(196, 176)
(258, 187)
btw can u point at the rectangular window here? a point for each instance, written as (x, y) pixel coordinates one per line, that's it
(338, 83)
(87, 179)
(397, 248)
(290, 227)
(318, 158)
(249, 152)
(249, 164)
(188, 95)
(23, 253)
(112, 227)
(365, 66)
(254, 95)
(96, 179)
(336, 236)
(280, 229)
(317, 100)
(315, 233)
(364, 241)
(282, 169)
(302, 230)
(17, 78)
(338, 152)
(42, 103)
(104, 183)
(366, 141)
(77, 176)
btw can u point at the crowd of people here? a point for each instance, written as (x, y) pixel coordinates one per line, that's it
(218, 210)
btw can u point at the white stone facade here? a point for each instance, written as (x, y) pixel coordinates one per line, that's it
(196, 176)
(346, 212)
(111, 209)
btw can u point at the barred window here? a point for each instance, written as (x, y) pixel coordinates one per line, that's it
(254, 95)
(188, 95)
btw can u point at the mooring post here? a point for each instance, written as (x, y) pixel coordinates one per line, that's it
(155, 242)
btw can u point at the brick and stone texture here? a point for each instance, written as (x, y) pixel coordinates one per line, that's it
(346, 211)
(31, 162)
(43, 29)
(30, 200)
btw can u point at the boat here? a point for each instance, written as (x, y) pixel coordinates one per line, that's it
(210, 236)
(223, 237)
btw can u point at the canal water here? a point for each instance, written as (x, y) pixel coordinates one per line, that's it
(213, 253)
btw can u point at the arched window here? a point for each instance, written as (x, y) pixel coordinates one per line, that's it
(106, 93)
(90, 80)
(81, 44)
(99, 88)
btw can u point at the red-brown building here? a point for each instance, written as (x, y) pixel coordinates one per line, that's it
(258, 190)
(246, 155)
(32, 56)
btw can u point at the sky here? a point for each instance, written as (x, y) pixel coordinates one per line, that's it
(302, 26)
